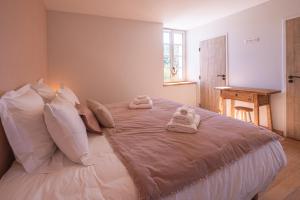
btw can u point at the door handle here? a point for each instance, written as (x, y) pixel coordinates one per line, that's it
(223, 76)
(291, 78)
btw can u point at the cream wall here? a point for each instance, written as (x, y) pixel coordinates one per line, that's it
(23, 42)
(254, 65)
(109, 59)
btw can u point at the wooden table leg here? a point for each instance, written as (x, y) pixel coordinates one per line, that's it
(221, 105)
(224, 106)
(269, 114)
(256, 110)
(232, 102)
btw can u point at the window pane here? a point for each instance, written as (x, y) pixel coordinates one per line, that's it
(180, 74)
(167, 55)
(167, 62)
(173, 55)
(167, 50)
(167, 72)
(178, 62)
(177, 50)
(178, 38)
(175, 74)
(166, 37)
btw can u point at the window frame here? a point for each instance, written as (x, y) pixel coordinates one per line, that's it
(171, 52)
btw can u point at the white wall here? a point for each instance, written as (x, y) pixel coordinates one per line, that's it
(23, 42)
(109, 59)
(259, 64)
(23, 53)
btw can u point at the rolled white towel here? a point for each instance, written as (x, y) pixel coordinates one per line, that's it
(141, 101)
(184, 119)
(176, 127)
(149, 105)
(184, 110)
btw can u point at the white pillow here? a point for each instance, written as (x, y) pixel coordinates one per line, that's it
(67, 130)
(25, 128)
(67, 94)
(46, 92)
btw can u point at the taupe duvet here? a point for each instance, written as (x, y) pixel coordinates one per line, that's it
(161, 162)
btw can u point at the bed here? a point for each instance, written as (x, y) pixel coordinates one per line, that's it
(111, 178)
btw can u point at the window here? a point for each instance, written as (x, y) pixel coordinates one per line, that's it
(174, 55)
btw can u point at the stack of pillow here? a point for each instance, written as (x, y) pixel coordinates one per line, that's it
(184, 120)
(37, 120)
(141, 102)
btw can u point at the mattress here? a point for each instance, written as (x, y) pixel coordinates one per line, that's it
(108, 179)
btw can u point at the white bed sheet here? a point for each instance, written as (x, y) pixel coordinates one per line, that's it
(108, 179)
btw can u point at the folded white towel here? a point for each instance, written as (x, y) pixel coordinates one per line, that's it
(138, 101)
(193, 128)
(142, 97)
(149, 105)
(184, 119)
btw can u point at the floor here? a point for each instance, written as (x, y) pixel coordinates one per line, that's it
(287, 184)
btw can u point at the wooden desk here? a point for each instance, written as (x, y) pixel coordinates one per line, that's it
(259, 97)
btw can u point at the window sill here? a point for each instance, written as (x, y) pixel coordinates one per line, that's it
(179, 83)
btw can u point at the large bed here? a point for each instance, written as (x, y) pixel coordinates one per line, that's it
(111, 178)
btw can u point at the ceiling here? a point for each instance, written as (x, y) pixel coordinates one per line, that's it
(180, 14)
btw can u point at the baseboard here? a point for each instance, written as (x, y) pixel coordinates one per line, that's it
(281, 133)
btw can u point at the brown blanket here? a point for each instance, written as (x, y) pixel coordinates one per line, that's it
(161, 162)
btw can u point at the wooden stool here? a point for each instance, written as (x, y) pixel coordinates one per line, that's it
(244, 111)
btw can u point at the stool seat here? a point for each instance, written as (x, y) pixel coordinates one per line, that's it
(241, 108)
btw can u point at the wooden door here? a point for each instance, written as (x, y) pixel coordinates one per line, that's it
(293, 77)
(212, 71)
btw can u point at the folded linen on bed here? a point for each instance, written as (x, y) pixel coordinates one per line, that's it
(185, 120)
(149, 105)
(141, 102)
(182, 128)
(138, 101)
(142, 96)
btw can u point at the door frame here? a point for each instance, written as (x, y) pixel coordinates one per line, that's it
(226, 65)
(284, 69)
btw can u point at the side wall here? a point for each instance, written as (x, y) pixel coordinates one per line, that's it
(259, 64)
(109, 59)
(23, 42)
(23, 53)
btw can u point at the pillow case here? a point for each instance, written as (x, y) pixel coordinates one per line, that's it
(103, 115)
(89, 119)
(44, 90)
(25, 128)
(67, 94)
(67, 130)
